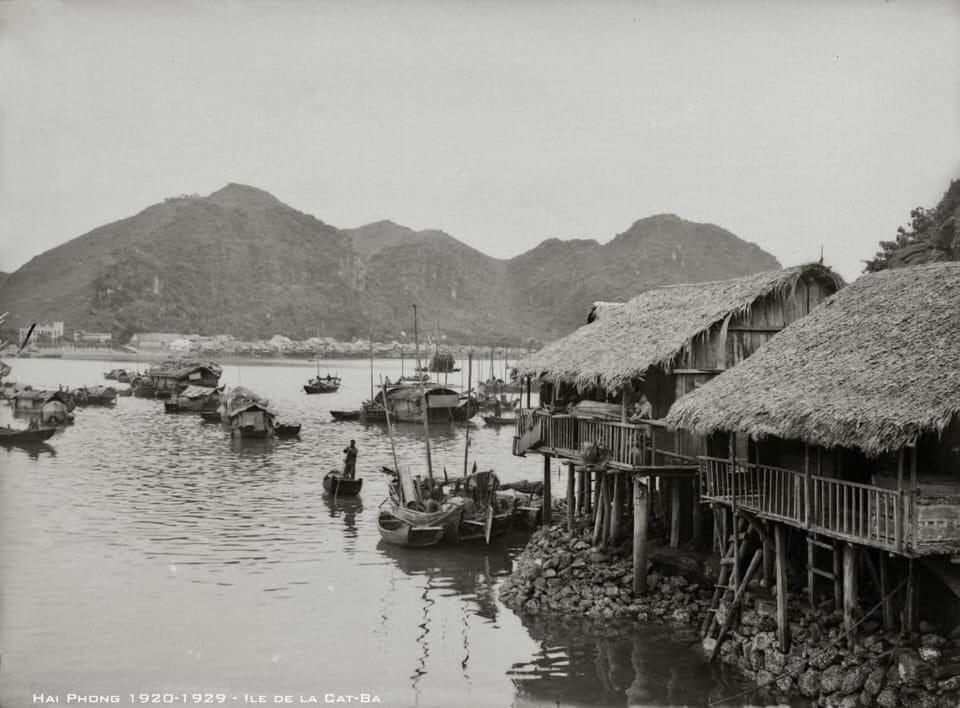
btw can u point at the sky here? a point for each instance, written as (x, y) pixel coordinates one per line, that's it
(794, 125)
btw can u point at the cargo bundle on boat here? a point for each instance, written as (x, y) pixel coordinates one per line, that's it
(246, 414)
(441, 363)
(843, 434)
(322, 384)
(94, 395)
(46, 407)
(194, 399)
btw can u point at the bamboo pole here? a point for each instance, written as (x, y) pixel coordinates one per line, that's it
(601, 506)
(674, 513)
(641, 500)
(888, 609)
(741, 588)
(571, 499)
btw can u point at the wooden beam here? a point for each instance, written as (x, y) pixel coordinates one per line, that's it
(850, 591)
(909, 604)
(641, 501)
(601, 509)
(783, 627)
(837, 578)
(547, 499)
(571, 497)
(737, 597)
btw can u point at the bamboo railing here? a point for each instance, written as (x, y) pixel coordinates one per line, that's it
(857, 512)
(565, 435)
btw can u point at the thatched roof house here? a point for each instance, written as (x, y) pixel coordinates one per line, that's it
(876, 366)
(662, 327)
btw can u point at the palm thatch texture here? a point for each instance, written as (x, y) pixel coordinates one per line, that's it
(239, 399)
(622, 341)
(874, 367)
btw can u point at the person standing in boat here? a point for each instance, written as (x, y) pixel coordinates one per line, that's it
(350, 461)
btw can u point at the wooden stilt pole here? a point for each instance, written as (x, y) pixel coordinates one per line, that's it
(909, 603)
(571, 499)
(849, 590)
(737, 597)
(607, 508)
(697, 522)
(579, 482)
(769, 559)
(783, 628)
(599, 512)
(811, 576)
(837, 577)
(674, 513)
(888, 614)
(617, 518)
(547, 500)
(641, 500)
(588, 493)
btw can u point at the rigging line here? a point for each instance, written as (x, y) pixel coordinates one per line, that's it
(817, 655)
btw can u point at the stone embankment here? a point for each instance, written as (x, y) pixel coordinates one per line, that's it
(561, 573)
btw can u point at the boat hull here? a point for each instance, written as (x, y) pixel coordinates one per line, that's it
(345, 415)
(333, 483)
(321, 389)
(25, 436)
(287, 431)
(399, 532)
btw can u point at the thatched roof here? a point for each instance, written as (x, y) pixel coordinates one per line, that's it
(239, 399)
(655, 328)
(875, 366)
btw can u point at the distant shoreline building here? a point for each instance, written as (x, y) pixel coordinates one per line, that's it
(52, 331)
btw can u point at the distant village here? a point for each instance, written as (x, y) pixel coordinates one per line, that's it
(51, 339)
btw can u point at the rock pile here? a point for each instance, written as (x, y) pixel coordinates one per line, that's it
(561, 573)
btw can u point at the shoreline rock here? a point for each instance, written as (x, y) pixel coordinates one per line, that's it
(561, 573)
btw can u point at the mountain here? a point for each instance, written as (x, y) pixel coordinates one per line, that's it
(239, 261)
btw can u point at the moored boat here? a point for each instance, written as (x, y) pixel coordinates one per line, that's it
(346, 415)
(287, 430)
(94, 395)
(27, 435)
(194, 399)
(335, 483)
(246, 414)
(325, 384)
(497, 420)
(398, 532)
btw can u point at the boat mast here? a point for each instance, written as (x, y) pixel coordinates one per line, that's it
(371, 371)
(393, 447)
(423, 399)
(466, 447)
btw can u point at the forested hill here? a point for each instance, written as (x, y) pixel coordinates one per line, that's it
(241, 262)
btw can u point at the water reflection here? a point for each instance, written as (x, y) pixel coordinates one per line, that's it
(33, 449)
(581, 663)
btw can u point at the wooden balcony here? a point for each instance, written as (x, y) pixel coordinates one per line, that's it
(632, 447)
(902, 521)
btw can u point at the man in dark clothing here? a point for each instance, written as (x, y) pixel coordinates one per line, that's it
(350, 461)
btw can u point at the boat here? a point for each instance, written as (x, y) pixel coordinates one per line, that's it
(322, 384)
(286, 430)
(403, 533)
(194, 399)
(440, 363)
(114, 374)
(47, 407)
(211, 416)
(334, 483)
(124, 392)
(346, 415)
(37, 434)
(94, 395)
(246, 414)
(497, 420)
(406, 403)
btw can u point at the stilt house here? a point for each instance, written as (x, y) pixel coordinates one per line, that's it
(842, 433)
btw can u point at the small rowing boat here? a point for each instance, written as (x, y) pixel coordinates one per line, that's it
(11, 435)
(345, 415)
(334, 483)
(286, 430)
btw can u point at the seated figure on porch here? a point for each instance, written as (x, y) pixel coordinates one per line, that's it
(642, 409)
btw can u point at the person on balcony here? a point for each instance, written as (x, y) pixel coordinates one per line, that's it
(642, 409)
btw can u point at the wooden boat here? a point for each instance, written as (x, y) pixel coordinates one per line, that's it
(345, 415)
(334, 483)
(398, 532)
(115, 374)
(94, 395)
(10, 435)
(286, 430)
(247, 415)
(194, 399)
(211, 416)
(497, 420)
(318, 384)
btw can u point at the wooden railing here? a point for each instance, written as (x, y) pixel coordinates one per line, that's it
(858, 512)
(565, 435)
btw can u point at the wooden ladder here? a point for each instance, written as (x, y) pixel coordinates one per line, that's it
(729, 590)
(813, 543)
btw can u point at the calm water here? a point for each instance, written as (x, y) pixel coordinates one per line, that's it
(146, 552)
